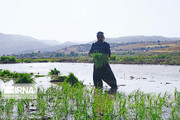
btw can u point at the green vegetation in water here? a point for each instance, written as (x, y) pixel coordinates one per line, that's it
(61, 78)
(17, 77)
(39, 76)
(54, 72)
(78, 102)
(72, 79)
(24, 78)
(99, 59)
(8, 74)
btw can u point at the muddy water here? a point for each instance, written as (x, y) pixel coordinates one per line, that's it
(147, 78)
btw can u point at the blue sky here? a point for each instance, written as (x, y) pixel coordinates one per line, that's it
(80, 20)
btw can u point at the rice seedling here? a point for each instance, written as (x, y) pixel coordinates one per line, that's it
(20, 106)
(70, 101)
(58, 78)
(1, 104)
(17, 77)
(39, 76)
(72, 79)
(9, 106)
(24, 78)
(61, 78)
(54, 72)
(99, 59)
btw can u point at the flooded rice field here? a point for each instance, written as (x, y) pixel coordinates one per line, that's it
(147, 78)
(144, 92)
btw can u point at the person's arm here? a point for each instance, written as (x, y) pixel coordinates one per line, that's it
(108, 50)
(91, 50)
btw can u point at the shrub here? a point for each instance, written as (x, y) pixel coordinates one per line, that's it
(7, 59)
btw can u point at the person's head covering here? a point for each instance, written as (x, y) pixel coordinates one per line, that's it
(100, 34)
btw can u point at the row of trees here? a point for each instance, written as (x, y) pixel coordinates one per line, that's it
(49, 55)
(7, 59)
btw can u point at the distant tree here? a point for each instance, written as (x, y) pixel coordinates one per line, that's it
(59, 55)
(73, 54)
(12, 59)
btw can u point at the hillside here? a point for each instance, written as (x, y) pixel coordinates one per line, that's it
(124, 47)
(20, 44)
(128, 43)
(10, 44)
(138, 38)
(173, 48)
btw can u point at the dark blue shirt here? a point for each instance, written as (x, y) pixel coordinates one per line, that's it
(100, 48)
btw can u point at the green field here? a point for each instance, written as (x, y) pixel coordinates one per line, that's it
(116, 58)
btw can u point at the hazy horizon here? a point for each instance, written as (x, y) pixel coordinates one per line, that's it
(80, 20)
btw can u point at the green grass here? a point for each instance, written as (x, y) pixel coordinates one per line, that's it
(77, 102)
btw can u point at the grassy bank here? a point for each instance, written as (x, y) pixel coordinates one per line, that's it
(169, 59)
(163, 58)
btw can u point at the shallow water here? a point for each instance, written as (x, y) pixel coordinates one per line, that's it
(147, 78)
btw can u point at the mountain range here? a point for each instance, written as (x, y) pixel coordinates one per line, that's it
(19, 44)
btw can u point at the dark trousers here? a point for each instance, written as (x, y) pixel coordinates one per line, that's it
(104, 73)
